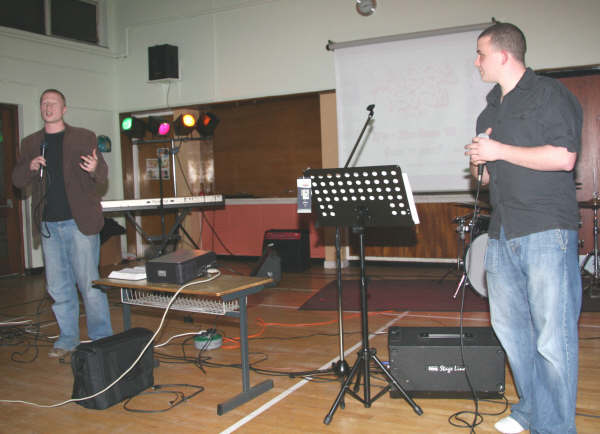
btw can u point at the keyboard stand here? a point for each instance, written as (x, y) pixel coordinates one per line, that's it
(164, 239)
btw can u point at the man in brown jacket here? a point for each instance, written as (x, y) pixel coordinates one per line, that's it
(64, 167)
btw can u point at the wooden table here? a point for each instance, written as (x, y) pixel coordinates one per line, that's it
(228, 289)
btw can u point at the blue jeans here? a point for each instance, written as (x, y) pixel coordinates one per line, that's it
(534, 290)
(71, 258)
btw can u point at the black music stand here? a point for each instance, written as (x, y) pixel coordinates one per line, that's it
(363, 197)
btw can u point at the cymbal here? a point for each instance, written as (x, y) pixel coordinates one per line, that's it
(592, 203)
(462, 218)
(481, 205)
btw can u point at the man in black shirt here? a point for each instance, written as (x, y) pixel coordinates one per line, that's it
(534, 287)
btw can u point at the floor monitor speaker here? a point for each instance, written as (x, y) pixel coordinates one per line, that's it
(269, 265)
(428, 361)
(293, 247)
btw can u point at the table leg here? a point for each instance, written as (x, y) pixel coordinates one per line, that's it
(248, 392)
(126, 314)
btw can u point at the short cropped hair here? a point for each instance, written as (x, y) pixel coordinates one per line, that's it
(56, 91)
(507, 36)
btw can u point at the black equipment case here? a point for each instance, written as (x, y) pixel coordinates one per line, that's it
(97, 364)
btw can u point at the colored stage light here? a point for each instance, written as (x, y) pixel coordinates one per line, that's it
(207, 124)
(133, 127)
(158, 126)
(184, 124)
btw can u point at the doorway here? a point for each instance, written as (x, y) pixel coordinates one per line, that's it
(11, 222)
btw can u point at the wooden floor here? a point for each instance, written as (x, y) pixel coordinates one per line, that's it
(292, 341)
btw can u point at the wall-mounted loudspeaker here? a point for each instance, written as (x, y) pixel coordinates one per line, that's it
(163, 62)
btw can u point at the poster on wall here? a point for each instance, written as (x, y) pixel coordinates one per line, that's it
(152, 166)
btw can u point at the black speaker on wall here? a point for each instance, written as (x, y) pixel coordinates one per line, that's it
(163, 62)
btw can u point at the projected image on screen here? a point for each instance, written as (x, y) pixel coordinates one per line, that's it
(362, 196)
(427, 95)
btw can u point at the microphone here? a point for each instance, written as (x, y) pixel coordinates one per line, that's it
(481, 166)
(43, 148)
(370, 108)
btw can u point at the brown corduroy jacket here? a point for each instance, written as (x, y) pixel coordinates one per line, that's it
(81, 186)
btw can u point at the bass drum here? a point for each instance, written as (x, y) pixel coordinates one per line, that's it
(480, 226)
(474, 264)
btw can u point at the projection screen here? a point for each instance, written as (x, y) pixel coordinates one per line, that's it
(427, 95)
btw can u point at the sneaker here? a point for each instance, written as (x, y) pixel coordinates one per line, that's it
(58, 353)
(508, 425)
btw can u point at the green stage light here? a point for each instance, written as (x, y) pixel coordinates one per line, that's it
(133, 127)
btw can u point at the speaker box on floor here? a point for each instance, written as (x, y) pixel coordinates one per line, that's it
(293, 247)
(97, 364)
(163, 62)
(427, 362)
(269, 265)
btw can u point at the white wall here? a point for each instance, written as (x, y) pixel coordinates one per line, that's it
(86, 75)
(235, 49)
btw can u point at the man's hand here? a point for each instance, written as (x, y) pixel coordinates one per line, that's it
(482, 149)
(36, 163)
(89, 162)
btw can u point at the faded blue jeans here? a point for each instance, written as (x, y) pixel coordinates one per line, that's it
(534, 290)
(71, 258)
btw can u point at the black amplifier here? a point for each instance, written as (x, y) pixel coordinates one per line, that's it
(427, 362)
(179, 266)
(293, 247)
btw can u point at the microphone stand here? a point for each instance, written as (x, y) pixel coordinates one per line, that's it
(341, 367)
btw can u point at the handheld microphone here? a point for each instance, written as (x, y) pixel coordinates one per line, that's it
(481, 166)
(43, 148)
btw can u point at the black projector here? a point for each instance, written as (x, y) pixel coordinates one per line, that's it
(180, 266)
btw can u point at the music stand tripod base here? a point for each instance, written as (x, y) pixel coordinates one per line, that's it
(363, 197)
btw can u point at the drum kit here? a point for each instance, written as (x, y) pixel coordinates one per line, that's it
(471, 253)
(472, 230)
(594, 278)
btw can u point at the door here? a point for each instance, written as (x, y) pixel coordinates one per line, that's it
(11, 224)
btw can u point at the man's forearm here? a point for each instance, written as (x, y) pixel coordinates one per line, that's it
(545, 158)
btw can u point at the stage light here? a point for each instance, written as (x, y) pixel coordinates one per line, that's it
(207, 124)
(133, 127)
(158, 126)
(184, 124)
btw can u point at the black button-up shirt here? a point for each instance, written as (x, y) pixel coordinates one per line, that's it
(538, 111)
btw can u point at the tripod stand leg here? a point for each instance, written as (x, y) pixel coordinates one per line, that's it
(340, 397)
(397, 385)
(585, 261)
(358, 380)
(367, 354)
